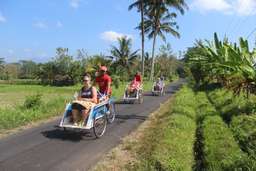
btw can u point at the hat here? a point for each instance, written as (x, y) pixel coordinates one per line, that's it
(103, 68)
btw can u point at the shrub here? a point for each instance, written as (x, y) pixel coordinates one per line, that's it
(63, 80)
(33, 101)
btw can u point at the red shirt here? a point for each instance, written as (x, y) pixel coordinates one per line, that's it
(138, 78)
(103, 82)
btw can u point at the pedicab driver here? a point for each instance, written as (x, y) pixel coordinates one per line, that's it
(137, 77)
(103, 80)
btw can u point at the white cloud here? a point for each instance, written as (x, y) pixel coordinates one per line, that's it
(245, 7)
(112, 36)
(2, 18)
(207, 5)
(59, 24)
(40, 25)
(75, 3)
(238, 7)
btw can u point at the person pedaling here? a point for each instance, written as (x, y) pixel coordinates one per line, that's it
(81, 106)
(158, 85)
(103, 80)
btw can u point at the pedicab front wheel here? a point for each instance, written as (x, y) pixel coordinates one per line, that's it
(140, 100)
(99, 125)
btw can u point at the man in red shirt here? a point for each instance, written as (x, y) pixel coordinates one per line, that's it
(137, 77)
(104, 81)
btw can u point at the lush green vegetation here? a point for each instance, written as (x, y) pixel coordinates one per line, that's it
(22, 104)
(168, 144)
(220, 150)
(244, 131)
(195, 135)
(225, 71)
(239, 113)
(228, 64)
(66, 70)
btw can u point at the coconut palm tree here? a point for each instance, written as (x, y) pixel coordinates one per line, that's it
(157, 25)
(158, 10)
(140, 5)
(179, 5)
(122, 55)
(1, 64)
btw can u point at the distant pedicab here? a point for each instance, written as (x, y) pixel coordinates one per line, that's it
(133, 92)
(102, 113)
(158, 88)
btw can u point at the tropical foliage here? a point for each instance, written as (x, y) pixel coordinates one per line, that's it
(159, 20)
(124, 60)
(230, 65)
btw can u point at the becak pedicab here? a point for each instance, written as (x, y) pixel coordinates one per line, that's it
(158, 88)
(133, 92)
(97, 116)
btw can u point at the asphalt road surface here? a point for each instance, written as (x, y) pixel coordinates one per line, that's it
(48, 148)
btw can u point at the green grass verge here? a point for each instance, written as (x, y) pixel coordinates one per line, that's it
(21, 81)
(168, 144)
(15, 117)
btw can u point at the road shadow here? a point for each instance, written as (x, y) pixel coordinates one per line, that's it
(173, 89)
(67, 135)
(131, 116)
(148, 94)
(121, 101)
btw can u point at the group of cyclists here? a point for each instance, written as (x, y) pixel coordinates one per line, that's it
(89, 97)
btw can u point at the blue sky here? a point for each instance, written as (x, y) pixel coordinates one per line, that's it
(33, 29)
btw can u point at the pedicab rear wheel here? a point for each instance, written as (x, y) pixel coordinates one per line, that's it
(112, 115)
(99, 125)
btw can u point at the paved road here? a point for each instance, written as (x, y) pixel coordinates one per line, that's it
(48, 148)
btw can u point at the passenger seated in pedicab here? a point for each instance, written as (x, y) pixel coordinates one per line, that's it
(134, 86)
(87, 98)
(158, 85)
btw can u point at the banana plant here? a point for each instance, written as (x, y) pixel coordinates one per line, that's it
(229, 64)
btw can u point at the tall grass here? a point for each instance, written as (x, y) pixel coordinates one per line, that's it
(15, 117)
(168, 144)
(239, 113)
(244, 130)
(220, 150)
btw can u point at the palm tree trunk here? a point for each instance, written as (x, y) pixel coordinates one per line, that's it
(153, 60)
(142, 38)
